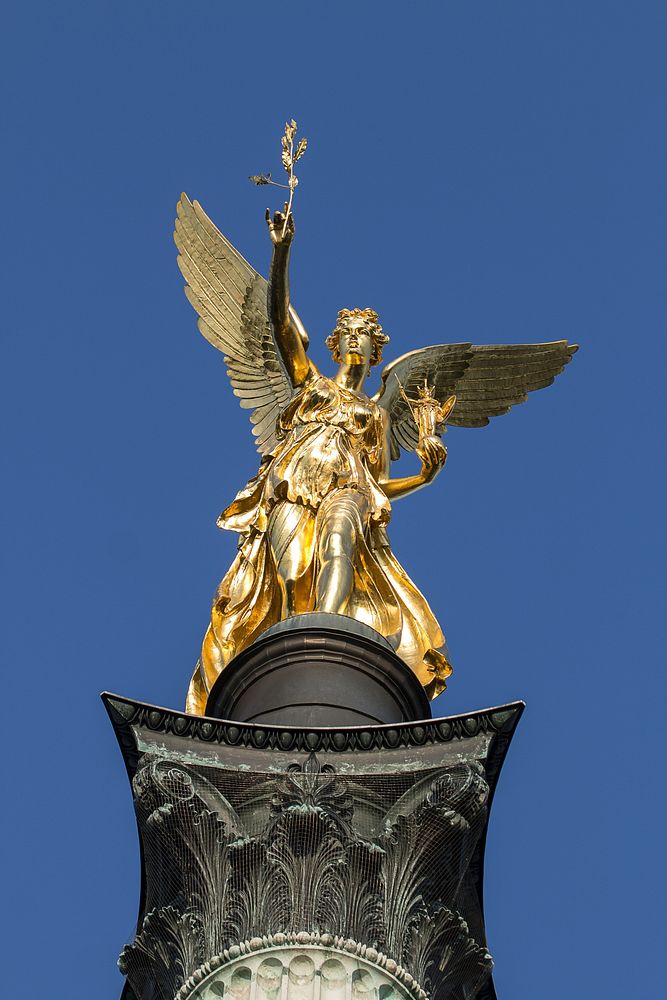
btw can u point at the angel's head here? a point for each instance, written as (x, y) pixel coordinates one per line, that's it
(357, 337)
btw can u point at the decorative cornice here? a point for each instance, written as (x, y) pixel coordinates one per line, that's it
(501, 720)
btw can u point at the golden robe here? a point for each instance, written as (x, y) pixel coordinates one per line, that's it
(330, 440)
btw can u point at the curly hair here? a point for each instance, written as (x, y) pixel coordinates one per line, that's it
(371, 324)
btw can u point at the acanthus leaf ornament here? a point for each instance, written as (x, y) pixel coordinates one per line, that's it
(303, 873)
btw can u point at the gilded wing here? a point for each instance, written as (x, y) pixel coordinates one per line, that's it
(230, 298)
(486, 380)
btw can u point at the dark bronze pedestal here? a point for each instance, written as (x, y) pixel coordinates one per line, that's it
(318, 670)
(317, 840)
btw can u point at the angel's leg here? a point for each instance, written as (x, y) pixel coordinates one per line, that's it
(339, 531)
(291, 532)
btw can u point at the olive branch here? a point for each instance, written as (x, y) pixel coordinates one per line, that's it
(289, 156)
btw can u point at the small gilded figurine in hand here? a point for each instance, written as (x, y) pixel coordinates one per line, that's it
(312, 522)
(430, 416)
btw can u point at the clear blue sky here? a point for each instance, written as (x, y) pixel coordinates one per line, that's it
(487, 171)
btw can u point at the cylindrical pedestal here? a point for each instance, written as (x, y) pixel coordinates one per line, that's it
(318, 670)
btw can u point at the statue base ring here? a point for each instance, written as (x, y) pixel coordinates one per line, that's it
(318, 670)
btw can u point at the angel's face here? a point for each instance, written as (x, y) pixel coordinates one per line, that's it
(355, 343)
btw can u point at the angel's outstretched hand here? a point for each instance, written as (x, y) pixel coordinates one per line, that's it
(280, 231)
(433, 454)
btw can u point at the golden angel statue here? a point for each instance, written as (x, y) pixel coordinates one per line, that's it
(312, 522)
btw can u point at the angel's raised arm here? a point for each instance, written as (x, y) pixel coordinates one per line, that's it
(291, 340)
(231, 300)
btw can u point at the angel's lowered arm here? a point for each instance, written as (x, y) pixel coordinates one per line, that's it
(290, 344)
(433, 455)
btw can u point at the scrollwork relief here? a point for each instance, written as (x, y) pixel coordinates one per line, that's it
(210, 881)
